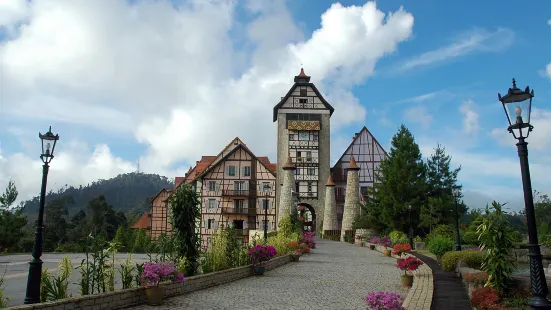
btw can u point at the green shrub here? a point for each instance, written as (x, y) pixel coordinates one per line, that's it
(470, 237)
(398, 237)
(439, 245)
(471, 258)
(441, 230)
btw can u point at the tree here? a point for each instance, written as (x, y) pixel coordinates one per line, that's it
(401, 183)
(542, 209)
(186, 215)
(12, 222)
(441, 180)
(56, 224)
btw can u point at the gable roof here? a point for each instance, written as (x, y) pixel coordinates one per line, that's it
(160, 192)
(302, 82)
(143, 223)
(364, 129)
(240, 146)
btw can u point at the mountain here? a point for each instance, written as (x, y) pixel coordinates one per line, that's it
(130, 191)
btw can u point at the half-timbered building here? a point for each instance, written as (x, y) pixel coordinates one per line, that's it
(368, 154)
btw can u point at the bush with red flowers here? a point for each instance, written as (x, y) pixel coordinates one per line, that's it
(400, 249)
(411, 263)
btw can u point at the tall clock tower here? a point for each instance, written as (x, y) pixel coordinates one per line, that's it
(303, 131)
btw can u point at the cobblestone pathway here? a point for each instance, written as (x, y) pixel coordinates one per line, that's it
(335, 276)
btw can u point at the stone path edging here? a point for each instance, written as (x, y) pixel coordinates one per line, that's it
(420, 294)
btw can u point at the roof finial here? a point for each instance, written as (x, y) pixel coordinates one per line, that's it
(514, 83)
(302, 77)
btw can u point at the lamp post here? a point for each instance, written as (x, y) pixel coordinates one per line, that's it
(266, 188)
(518, 105)
(32, 295)
(410, 229)
(456, 191)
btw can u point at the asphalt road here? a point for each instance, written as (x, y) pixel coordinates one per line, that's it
(15, 269)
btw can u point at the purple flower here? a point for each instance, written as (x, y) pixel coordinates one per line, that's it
(261, 253)
(308, 238)
(384, 301)
(154, 273)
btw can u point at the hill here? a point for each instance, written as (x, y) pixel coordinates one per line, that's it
(130, 191)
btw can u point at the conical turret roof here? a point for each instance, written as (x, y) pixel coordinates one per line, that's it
(352, 165)
(289, 164)
(330, 182)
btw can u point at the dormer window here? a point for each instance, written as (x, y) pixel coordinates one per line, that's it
(302, 101)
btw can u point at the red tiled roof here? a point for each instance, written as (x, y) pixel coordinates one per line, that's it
(143, 222)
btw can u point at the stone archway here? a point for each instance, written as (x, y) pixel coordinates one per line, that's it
(307, 214)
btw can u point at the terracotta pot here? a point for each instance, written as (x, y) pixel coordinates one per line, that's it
(387, 252)
(372, 246)
(399, 260)
(362, 243)
(295, 257)
(155, 295)
(259, 270)
(407, 280)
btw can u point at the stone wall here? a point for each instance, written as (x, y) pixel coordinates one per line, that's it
(136, 296)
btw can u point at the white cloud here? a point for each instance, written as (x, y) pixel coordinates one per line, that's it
(173, 76)
(549, 22)
(547, 71)
(418, 114)
(476, 40)
(470, 117)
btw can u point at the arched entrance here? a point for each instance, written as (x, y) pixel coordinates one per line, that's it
(307, 214)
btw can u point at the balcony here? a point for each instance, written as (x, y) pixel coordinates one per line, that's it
(238, 192)
(307, 194)
(239, 211)
(306, 160)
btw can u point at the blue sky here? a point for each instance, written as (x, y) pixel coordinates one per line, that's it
(149, 85)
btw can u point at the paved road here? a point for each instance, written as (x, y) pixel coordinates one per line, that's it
(16, 268)
(335, 276)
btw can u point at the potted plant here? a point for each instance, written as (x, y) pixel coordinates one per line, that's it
(155, 273)
(410, 264)
(295, 251)
(385, 241)
(401, 249)
(384, 300)
(374, 241)
(260, 254)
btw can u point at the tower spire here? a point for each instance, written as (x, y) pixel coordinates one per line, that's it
(302, 77)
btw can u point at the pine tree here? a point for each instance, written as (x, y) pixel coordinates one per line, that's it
(402, 183)
(441, 180)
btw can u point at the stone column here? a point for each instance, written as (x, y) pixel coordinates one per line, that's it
(286, 196)
(352, 197)
(330, 210)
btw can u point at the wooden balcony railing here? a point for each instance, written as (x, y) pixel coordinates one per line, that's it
(238, 192)
(232, 210)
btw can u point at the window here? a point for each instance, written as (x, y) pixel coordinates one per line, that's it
(309, 187)
(303, 117)
(238, 204)
(231, 171)
(211, 204)
(311, 171)
(239, 186)
(315, 136)
(363, 190)
(265, 204)
(303, 92)
(212, 186)
(265, 225)
(304, 135)
(247, 171)
(302, 100)
(266, 187)
(210, 224)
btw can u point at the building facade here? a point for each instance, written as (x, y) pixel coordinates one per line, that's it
(368, 154)
(235, 188)
(303, 132)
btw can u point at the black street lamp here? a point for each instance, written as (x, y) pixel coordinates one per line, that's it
(518, 105)
(32, 296)
(266, 189)
(410, 229)
(456, 191)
